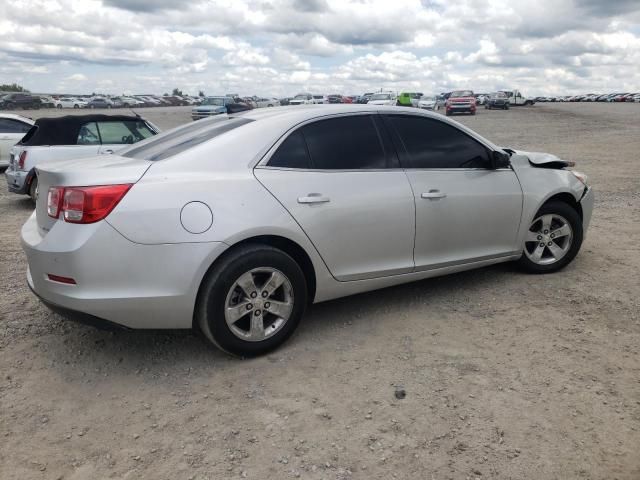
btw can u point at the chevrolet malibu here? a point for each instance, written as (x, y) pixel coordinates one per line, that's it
(233, 225)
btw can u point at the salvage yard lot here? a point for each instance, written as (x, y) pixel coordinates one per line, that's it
(507, 375)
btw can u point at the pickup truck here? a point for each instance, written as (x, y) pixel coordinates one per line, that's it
(73, 136)
(516, 98)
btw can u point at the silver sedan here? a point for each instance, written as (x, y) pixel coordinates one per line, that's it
(234, 224)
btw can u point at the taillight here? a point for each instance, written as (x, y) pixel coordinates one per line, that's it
(85, 204)
(54, 201)
(21, 160)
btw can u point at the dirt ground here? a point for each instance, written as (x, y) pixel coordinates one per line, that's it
(507, 375)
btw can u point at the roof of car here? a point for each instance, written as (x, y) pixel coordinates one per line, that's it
(20, 118)
(64, 130)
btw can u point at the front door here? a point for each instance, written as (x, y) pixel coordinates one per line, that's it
(344, 188)
(465, 210)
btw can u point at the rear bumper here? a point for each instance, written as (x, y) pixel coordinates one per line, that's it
(118, 282)
(17, 181)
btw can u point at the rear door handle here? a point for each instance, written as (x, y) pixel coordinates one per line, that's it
(313, 198)
(433, 194)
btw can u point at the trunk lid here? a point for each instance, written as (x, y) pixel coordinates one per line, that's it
(100, 170)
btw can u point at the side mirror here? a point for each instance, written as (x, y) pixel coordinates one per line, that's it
(500, 160)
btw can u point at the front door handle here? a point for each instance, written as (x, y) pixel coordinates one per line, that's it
(107, 151)
(433, 194)
(313, 198)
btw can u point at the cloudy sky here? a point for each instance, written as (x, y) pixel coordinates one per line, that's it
(281, 47)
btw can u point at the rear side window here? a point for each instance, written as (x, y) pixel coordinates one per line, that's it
(88, 134)
(116, 133)
(346, 143)
(178, 140)
(434, 144)
(292, 153)
(8, 125)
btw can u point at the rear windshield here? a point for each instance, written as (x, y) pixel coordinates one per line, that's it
(183, 138)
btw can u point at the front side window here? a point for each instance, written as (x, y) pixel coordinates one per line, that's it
(220, 102)
(88, 134)
(346, 143)
(434, 144)
(118, 133)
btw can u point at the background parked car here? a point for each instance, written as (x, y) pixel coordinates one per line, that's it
(302, 99)
(497, 100)
(46, 101)
(460, 101)
(73, 136)
(428, 102)
(24, 101)
(100, 102)
(408, 99)
(69, 102)
(383, 98)
(12, 129)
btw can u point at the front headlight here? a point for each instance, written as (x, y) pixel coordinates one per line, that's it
(581, 176)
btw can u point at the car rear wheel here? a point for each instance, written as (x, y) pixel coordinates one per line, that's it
(252, 301)
(553, 239)
(33, 189)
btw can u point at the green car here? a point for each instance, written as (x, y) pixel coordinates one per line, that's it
(408, 99)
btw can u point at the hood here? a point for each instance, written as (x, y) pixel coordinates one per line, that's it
(461, 99)
(544, 160)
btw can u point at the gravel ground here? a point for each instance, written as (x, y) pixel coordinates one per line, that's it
(504, 375)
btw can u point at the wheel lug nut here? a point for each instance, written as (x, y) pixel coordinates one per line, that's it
(265, 294)
(539, 237)
(254, 294)
(549, 244)
(257, 313)
(541, 244)
(546, 231)
(249, 306)
(267, 305)
(553, 235)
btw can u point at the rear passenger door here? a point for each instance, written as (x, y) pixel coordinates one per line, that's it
(466, 211)
(340, 179)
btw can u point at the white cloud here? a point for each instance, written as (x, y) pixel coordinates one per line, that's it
(280, 47)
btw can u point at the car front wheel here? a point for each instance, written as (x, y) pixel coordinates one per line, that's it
(553, 239)
(252, 301)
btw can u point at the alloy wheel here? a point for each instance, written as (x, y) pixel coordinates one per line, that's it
(259, 304)
(548, 240)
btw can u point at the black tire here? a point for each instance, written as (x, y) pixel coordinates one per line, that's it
(473, 112)
(33, 187)
(75, 106)
(210, 314)
(447, 113)
(59, 107)
(573, 218)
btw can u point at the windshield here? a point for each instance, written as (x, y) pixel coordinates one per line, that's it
(214, 101)
(500, 95)
(179, 139)
(427, 98)
(302, 96)
(462, 93)
(381, 96)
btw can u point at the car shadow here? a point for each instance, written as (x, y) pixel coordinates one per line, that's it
(159, 350)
